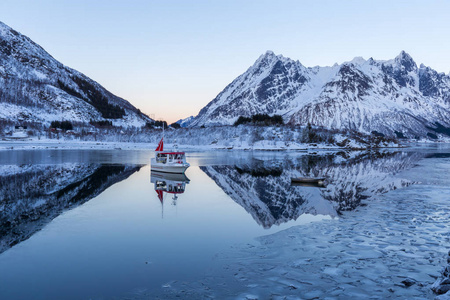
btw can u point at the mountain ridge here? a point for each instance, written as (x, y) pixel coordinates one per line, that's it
(392, 97)
(36, 88)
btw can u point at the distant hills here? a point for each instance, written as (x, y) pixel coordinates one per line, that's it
(393, 97)
(35, 88)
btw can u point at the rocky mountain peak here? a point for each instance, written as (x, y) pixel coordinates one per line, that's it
(358, 60)
(269, 53)
(14, 42)
(269, 59)
(268, 56)
(406, 61)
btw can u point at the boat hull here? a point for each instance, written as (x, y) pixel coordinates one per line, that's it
(169, 168)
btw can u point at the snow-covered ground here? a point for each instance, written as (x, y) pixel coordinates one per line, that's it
(85, 145)
(222, 137)
(71, 144)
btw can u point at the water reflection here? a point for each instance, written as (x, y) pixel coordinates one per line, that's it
(118, 244)
(263, 187)
(168, 183)
(317, 184)
(33, 195)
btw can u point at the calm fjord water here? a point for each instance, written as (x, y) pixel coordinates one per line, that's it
(91, 224)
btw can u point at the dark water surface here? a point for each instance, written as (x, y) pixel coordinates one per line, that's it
(92, 225)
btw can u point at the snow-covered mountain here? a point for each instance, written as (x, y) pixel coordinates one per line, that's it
(185, 122)
(36, 88)
(392, 97)
(263, 188)
(33, 195)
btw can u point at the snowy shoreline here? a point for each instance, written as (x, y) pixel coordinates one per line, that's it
(242, 137)
(31, 144)
(35, 144)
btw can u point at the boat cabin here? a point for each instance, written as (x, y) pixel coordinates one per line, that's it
(170, 157)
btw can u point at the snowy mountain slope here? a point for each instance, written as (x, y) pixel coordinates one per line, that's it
(364, 95)
(33, 195)
(34, 87)
(264, 188)
(185, 122)
(266, 87)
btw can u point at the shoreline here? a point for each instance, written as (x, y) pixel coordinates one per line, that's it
(49, 144)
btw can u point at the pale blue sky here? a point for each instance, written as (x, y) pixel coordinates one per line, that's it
(170, 58)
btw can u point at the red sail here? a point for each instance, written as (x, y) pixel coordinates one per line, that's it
(160, 145)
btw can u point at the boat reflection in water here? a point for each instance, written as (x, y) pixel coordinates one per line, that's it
(169, 183)
(308, 182)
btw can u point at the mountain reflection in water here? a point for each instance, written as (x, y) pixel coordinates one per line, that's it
(263, 187)
(33, 195)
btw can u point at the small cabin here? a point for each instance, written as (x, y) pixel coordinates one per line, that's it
(170, 157)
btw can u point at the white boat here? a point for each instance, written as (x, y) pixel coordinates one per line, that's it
(169, 162)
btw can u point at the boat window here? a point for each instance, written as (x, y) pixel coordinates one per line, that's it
(161, 184)
(161, 159)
